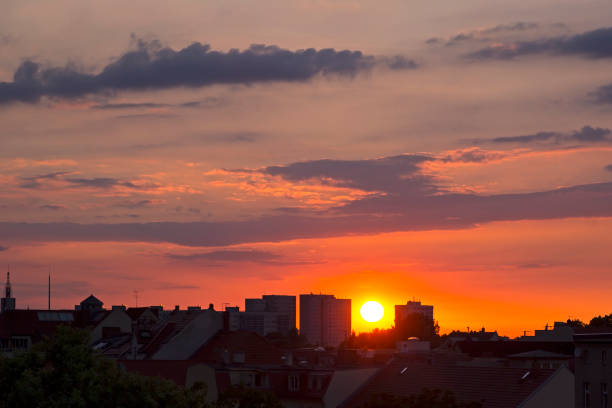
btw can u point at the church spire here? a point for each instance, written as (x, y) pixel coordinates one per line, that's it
(8, 301)
(7, 287)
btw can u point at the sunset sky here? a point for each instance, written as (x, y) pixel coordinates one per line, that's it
(204, 151)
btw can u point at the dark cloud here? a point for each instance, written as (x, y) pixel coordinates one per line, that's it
(587, 134)
(3, 248)
(434, 41)
(151, 115)
(590, 44)
(101, 182)
(210, 102)
(487, 34)
(603, 94)
(152, 66)
(134, 204)
(473, 155)
(52, 207)
(229, 255)
(391, 174)
(377, 214)
(608, 167)
(37, 182)
(148, 105)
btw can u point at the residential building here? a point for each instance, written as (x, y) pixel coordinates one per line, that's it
(21, 329)
(593, 368)
(493, 387)
(325, 320)
(560, 331)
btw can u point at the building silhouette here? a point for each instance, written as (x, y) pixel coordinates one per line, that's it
(412, 307)
(8, 301)
(325, 320)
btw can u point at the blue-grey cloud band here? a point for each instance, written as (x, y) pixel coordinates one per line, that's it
(154, 67)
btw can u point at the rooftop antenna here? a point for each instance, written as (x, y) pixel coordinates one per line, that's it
(136, 296)
(49, 291)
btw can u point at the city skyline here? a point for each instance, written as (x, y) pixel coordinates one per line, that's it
(206, 152)
(252, 315)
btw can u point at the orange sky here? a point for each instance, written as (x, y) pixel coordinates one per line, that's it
(457, 153)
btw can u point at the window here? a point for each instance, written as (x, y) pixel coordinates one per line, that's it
(587, 395)
(238, 357)
(20, 344)
(604, 395)
(294, 383)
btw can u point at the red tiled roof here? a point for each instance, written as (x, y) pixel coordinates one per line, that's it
(494, 387)
(257, 350)
(167, 329)
(136, 312)
(36, 323)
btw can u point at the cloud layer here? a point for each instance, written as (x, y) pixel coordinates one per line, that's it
(587, 134)
(152, 66)
(590, 44)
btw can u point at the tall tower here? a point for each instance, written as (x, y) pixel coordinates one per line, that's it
(8, 301)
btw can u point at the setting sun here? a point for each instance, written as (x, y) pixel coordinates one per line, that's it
(372, 311)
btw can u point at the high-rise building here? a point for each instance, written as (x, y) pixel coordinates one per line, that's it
(325, 320)
(412, 307)
(8, 301)
(270, 314)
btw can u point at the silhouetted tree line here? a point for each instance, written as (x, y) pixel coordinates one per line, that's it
(426, 399)
(596, 322)
(414, 325)
(64, 372)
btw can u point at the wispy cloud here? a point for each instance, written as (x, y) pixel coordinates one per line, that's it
(590, 44)
(587, 134)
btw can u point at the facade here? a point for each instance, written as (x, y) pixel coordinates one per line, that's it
(281, 307)
(8, 301)
(593, 368)
(21, 329)
(412, 307)
(325, 320)
(270, 314)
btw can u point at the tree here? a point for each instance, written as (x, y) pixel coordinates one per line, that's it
(417, 325)
(425, 399)
(243, 397)
(64, 372)
(575, 323)
(601, 321)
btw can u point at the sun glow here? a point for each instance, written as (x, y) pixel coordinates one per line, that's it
(372, 311)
